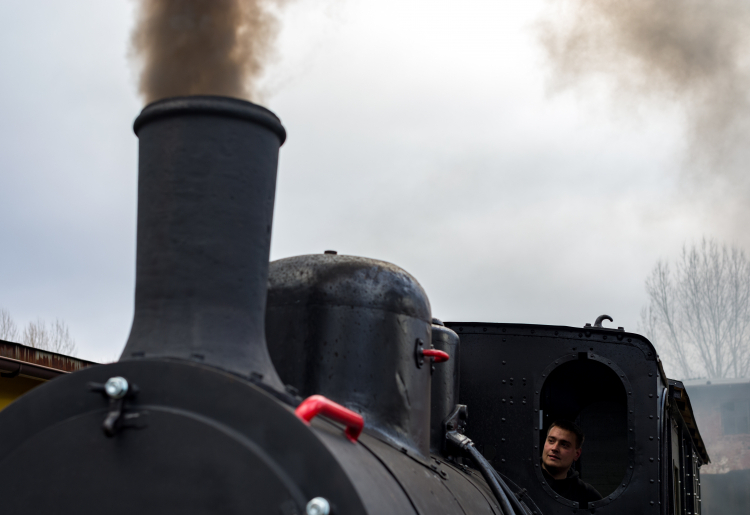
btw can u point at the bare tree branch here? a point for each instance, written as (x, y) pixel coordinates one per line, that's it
(8, 329)
(699, 315)
(53, 337)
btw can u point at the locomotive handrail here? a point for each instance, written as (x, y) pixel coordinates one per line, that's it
(438, 356)
(318, 405)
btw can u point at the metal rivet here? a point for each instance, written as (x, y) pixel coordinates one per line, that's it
(318, 506)
(116, 387)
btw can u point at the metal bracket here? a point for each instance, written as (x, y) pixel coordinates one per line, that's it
(436, 356)
(455, 423)
(419, 352)
(118, 390)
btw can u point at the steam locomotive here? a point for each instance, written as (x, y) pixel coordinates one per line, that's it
(322, 384)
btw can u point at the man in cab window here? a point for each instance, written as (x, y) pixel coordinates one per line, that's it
(561, 448)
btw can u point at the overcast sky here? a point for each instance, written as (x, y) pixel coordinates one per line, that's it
(420, 133)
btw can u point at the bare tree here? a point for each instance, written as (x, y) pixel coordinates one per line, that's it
(8, 328)
(54, 337)
(699, 311)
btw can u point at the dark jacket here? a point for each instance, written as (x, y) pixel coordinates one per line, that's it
(573, 488)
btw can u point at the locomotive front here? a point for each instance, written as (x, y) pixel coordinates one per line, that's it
(194, 417)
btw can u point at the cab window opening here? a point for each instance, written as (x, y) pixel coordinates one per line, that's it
(591, 396)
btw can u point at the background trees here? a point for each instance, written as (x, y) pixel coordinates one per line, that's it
(698, 314)
(53, 337)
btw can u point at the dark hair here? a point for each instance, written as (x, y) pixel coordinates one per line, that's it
(567, 425)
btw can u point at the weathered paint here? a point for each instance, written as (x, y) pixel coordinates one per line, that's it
(40, 357)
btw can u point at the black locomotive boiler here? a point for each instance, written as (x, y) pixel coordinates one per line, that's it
(320, 384)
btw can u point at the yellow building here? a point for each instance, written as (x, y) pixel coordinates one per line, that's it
(22, 368)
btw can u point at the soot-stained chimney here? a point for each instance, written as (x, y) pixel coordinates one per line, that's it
(207, 178)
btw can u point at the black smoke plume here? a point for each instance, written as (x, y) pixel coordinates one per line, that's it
(203, 47)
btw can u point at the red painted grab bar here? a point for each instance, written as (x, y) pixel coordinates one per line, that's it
(319, 405)
(438, 356)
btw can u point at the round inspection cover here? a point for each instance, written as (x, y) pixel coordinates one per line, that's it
(210, 443)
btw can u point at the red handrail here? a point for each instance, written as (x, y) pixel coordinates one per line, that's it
(319, 405)
(438, 356)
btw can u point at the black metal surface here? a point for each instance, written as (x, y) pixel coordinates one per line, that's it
(346, 327)
(207, 177)
(444, 393)
(427, 490)
(470, 489)
(377, 487)
(504, 368)
(214, 443)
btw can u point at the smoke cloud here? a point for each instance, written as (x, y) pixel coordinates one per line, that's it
(690, 52)
(203, 47)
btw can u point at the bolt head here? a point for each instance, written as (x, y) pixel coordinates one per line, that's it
(318, 506)
(116, 387)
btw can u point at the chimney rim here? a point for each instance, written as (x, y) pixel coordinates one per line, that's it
(210, 105)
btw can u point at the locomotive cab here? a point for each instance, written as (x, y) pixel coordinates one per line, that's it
(642, 447)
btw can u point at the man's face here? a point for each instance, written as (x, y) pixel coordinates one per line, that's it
(559, 450)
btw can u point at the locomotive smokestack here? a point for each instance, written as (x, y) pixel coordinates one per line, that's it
(207, 178)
